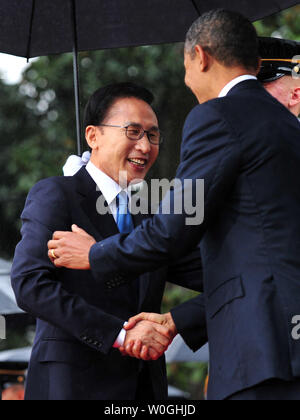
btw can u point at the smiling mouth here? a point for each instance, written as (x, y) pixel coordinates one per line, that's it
(141, 163)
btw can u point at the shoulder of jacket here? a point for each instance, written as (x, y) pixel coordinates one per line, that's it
(56, 185)
(208, 109)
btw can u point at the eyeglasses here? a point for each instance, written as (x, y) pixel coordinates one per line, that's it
(136, 133)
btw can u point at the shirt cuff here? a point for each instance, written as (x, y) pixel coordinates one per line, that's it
(121, 338)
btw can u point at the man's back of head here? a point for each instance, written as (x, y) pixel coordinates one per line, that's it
(227, 36)
(220, 46)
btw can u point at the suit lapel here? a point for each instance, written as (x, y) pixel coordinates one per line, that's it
(138, 219)
(104, 225)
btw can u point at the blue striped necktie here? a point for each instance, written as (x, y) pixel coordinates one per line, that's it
(125, 225)
(124, 218)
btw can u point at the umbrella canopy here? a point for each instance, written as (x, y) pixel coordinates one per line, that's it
(34, 28)
(8, 305)
(180, 352)
(40, 27)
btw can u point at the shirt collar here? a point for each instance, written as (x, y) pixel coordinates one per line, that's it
(109, 188)
(235, 82)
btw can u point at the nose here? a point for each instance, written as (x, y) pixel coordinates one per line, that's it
(143, 145)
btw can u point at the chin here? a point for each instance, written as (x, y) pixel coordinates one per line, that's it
(136, 179)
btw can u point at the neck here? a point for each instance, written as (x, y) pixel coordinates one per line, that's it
(95, 162)
(296, 111)
(120, 178)
(219, 78)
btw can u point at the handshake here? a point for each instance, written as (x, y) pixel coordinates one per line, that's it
(148, 336)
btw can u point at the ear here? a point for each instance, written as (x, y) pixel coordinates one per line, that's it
(295, 98)
(203, 58)
(259, 66)
(91, 136)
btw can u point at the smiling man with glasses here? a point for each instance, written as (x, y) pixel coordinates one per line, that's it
(125, 138)
(80, 328)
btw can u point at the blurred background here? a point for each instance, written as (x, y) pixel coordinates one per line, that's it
(37, 132)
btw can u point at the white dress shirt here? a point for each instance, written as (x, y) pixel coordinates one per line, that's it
(224, 92)
(110, 190)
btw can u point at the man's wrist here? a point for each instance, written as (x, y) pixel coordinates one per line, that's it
(171, 324)
(121, 338)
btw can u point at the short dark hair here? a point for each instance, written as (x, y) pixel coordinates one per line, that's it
(101, 101)
(227, 36)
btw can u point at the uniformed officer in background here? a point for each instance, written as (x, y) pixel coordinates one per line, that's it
(280, 71)
(12, 380)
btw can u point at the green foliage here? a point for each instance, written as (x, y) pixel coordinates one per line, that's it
(15, 340)
(189, 377)
(37, 129)
(284, 25)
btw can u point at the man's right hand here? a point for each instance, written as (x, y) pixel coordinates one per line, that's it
(146, 340)
(166, 320)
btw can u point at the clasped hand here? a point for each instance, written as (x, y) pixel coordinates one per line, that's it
(148, 336)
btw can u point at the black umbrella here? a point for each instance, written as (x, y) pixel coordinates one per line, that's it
(33, 28)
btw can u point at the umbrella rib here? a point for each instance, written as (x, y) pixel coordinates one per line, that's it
(30, 31)
(196, 7)
(76, 75)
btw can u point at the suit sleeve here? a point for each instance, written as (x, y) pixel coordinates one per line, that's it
(35, 279)
(210, 152)
(189, 317)
(187, 272)
(190, 321)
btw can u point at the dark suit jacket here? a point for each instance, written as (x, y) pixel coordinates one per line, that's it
(79, 314)
(246, 147)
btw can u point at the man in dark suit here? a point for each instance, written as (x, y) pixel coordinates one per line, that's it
(245, 145)
(279, 77)
(80, 319)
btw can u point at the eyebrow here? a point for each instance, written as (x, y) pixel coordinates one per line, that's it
(155, 127)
